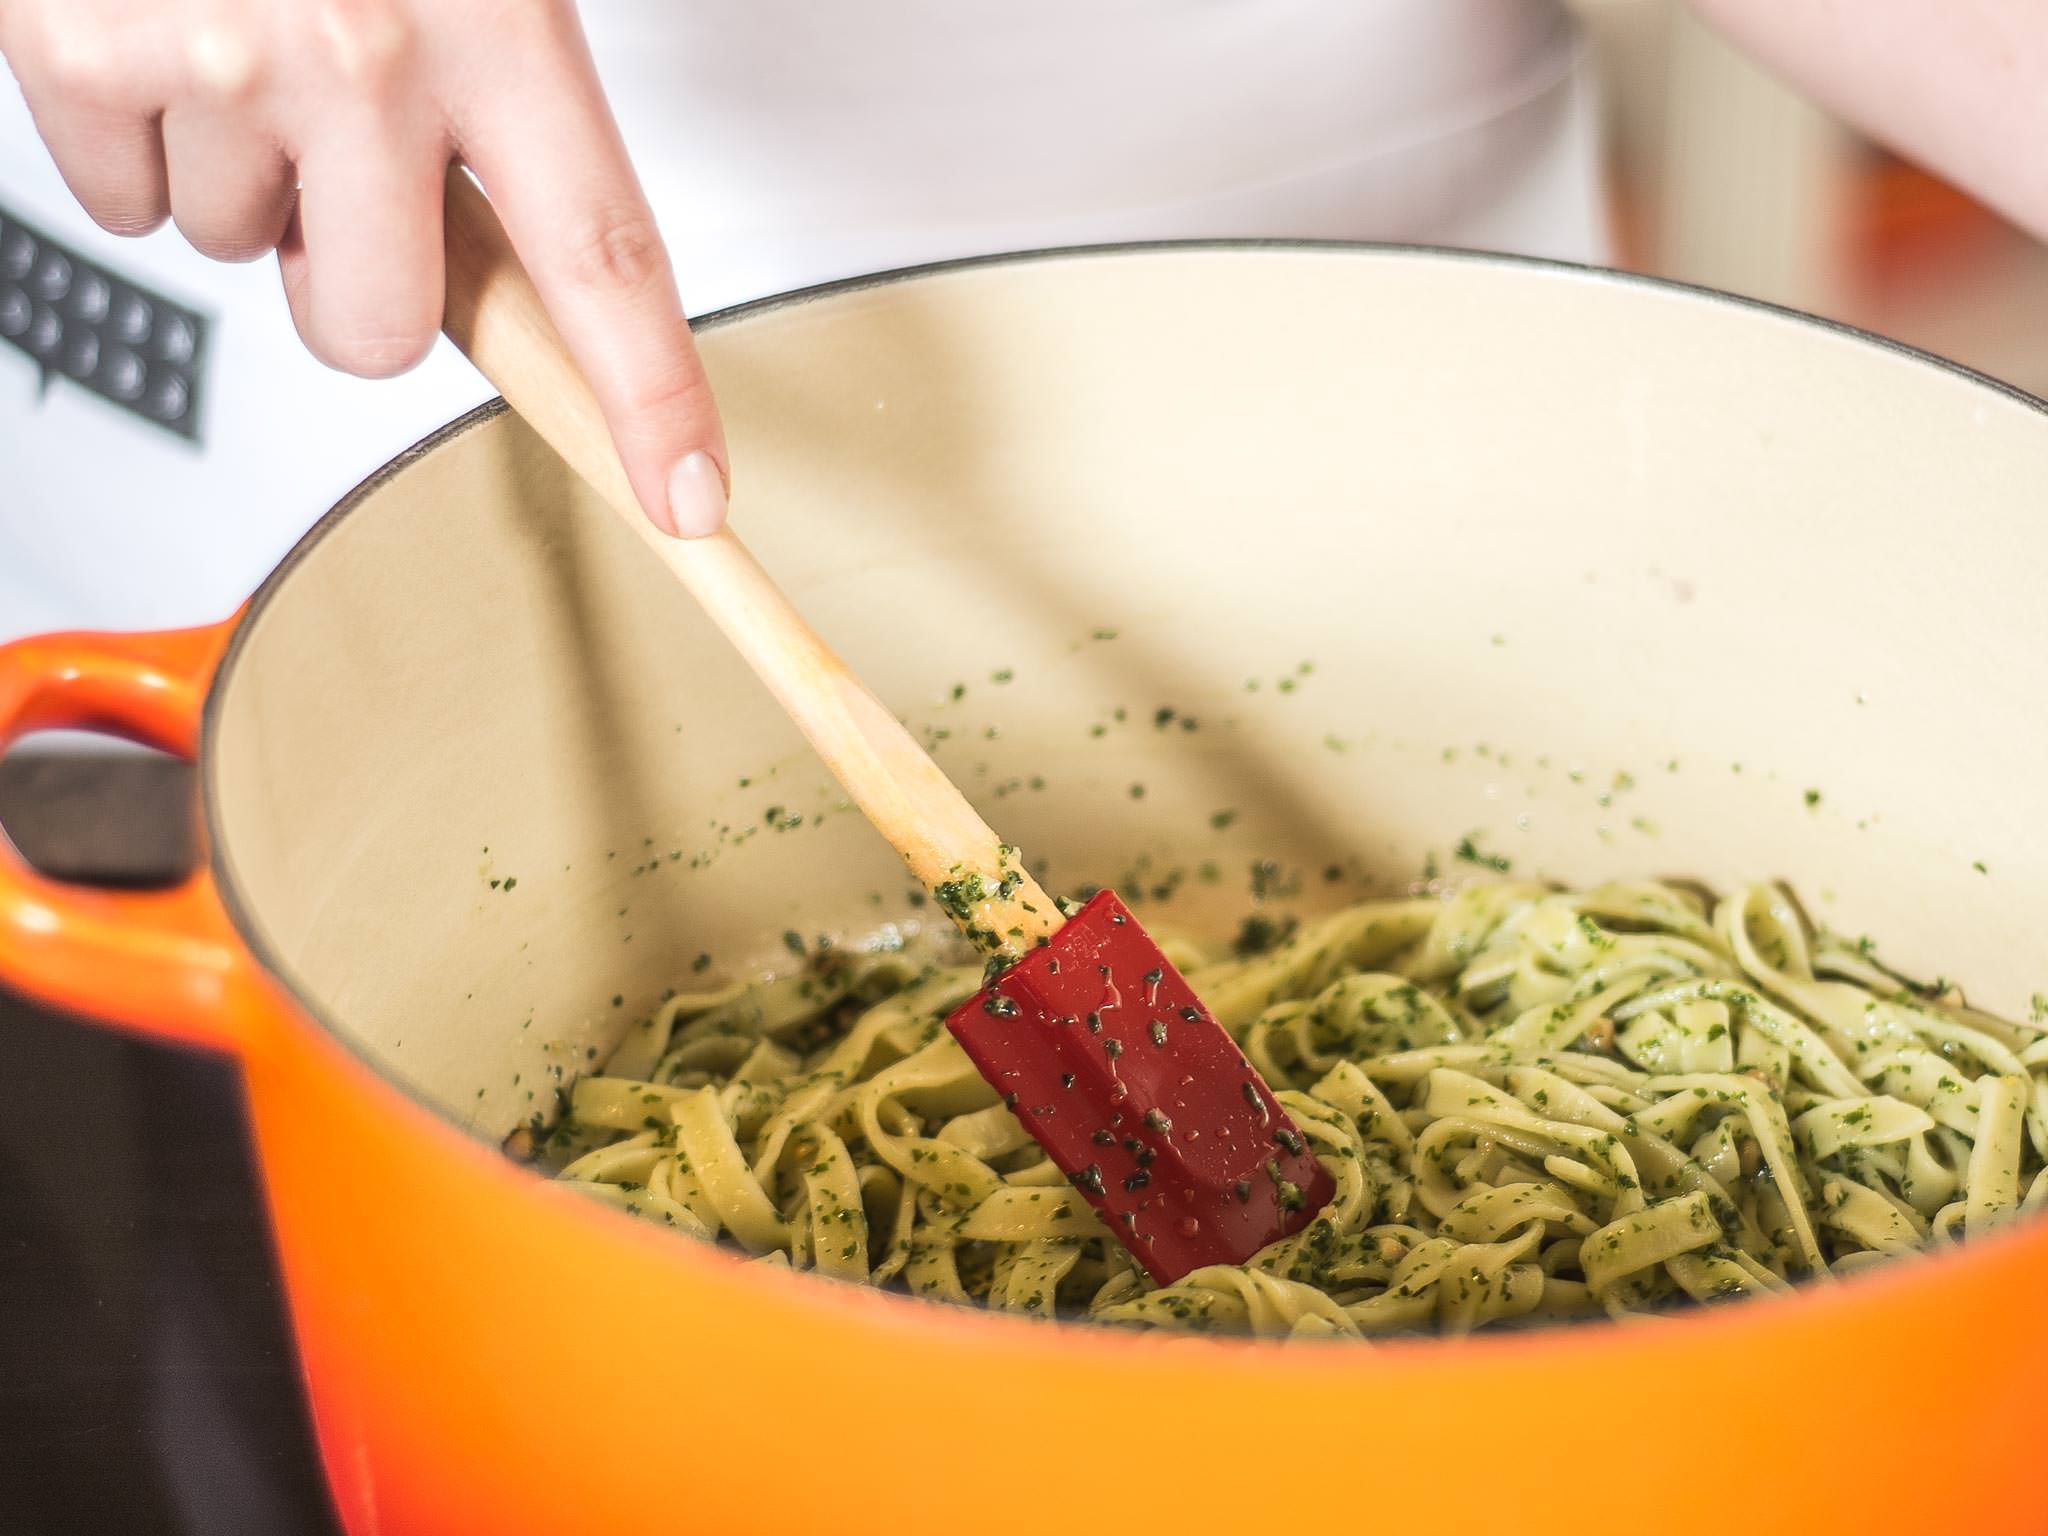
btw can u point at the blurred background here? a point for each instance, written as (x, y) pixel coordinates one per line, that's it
(1640, 138)
(1718, 174)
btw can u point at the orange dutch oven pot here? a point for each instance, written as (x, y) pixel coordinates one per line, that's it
(1541, 554)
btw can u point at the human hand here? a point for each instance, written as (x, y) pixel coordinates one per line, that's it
(1960, 85)
(323, 129)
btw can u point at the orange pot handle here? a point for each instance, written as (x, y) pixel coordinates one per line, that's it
(168, 962)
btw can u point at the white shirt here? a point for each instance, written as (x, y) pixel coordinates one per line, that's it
(784, 143)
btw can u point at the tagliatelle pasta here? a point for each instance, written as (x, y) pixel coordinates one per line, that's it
(1535, 1105)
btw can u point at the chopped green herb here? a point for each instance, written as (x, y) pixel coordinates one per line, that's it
(1260, 934)
(1469, 852)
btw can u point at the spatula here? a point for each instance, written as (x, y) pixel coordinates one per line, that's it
(1094, 1040)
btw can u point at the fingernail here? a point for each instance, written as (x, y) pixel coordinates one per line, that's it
(696, 497)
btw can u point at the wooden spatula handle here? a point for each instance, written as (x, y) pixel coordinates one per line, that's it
(496, 317)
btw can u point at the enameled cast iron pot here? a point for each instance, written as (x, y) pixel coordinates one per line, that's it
(1605, 573)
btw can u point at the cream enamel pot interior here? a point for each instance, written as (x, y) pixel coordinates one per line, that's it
(1606, 574)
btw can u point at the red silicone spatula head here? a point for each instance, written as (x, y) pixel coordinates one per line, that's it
(1140, 1097)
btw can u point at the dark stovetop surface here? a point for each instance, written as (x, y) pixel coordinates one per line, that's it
(147, 1377)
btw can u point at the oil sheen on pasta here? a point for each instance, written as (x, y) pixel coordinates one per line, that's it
(1535, 1104)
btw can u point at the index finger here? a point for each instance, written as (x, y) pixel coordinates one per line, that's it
(545, 147)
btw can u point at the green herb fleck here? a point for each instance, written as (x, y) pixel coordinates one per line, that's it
(1469, 852)
(1260, 934)
(958, 898)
